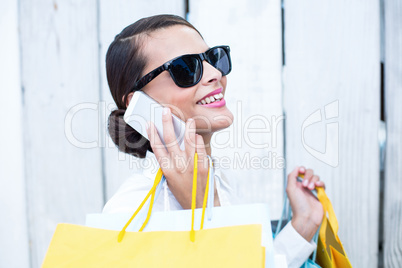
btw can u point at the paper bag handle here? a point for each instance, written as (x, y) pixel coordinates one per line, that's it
(151, 194)
(328, 209)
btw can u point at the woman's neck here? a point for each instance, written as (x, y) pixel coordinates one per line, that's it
(207, 142)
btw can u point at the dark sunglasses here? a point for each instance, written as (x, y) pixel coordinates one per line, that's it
(186, 70)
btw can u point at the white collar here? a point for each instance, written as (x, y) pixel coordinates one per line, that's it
(152, 166)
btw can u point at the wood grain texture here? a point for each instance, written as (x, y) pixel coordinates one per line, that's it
(13, 227)
(251, 150)
(61, 82)
(114, 16)
(331, 98)
(393, 167)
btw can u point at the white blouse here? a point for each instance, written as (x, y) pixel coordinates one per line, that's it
(131, 193)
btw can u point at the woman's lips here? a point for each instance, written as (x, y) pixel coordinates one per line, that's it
(215, 104)
(215, 92)
(213, 100)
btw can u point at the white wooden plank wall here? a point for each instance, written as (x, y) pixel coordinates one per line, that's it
(13, 226)
(59, 71)
(253, 31)
(393, 167)
(114, 16)
(333, 65)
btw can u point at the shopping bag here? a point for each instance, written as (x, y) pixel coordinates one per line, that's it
(330, 251)
(82, 246)
(178, 220)
(286, 215)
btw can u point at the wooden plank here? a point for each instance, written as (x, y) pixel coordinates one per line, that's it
(393, 167)
(114, 16)
(60, 78)
(331, 98)
(13, 227)
(252, 148)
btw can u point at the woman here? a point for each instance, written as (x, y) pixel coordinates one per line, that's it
(147, 45)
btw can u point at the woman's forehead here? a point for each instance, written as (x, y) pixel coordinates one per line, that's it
(165, 44)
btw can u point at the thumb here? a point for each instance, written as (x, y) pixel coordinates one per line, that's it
(292, 177)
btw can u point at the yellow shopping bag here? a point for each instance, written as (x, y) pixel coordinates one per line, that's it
(330, 252)
(80, 246)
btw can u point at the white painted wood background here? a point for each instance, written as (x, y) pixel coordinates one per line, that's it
(393, 167)
(333, 65)
(53, 77)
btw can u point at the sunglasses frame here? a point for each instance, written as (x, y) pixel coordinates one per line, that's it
(142, 82)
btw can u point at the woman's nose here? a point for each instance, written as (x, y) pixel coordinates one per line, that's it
(210, 74)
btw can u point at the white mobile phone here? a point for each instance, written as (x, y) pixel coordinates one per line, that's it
(143, 109)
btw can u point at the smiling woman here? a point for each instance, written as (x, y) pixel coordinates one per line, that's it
(167, 58)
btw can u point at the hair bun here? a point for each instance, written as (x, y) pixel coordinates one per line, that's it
(127, 139)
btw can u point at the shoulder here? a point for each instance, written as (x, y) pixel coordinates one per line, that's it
(130, 194)
(226, 187)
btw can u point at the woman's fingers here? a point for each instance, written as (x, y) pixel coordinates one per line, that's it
(292, 178)
(203, 163)
(169, 135)
(157, 146)
(307, 177)
(189, 138)
(312, 182)
(320, 184)
(302, 170)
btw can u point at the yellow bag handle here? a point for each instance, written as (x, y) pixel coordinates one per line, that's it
(204, 204)
(328, 209)
(152, 194)
(322, 196)
(327, 206)
(193, 198)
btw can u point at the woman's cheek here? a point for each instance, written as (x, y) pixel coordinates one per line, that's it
(180, 108)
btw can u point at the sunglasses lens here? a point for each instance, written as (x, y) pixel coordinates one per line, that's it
(186, 70)
(220, 59)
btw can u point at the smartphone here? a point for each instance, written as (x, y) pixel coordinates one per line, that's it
(143, 109)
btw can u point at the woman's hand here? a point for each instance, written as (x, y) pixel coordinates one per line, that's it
(178, 165)
(307, 210)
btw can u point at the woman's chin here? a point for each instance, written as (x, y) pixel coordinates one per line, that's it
(222, 121)
(214, 127)
(213, 122)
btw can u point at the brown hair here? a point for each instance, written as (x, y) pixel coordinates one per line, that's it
(124, 66)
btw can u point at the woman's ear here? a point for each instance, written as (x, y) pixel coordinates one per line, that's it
(129, 96)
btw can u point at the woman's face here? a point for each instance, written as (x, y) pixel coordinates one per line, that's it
(165, 44)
